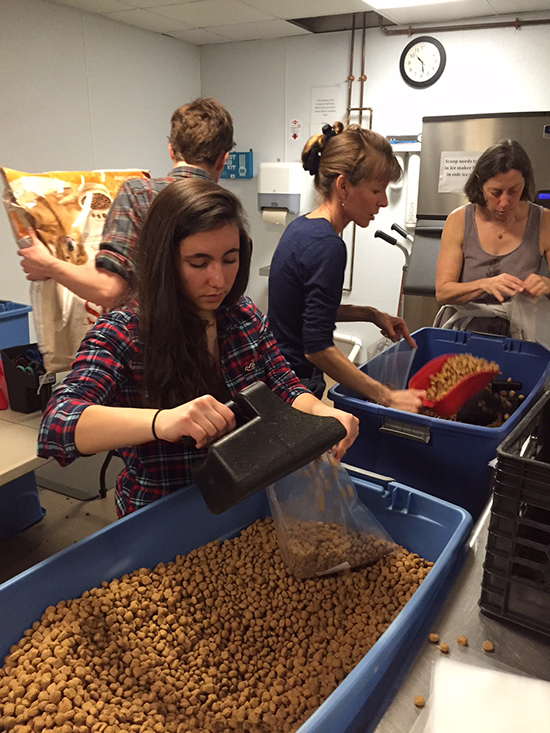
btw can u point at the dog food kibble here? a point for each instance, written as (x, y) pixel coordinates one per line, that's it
(100, 201)
(488, 646)
(316, 547)
(221, 639)
(444, 647)
(455, 369)
(462, 641)
(434, 638)
(419, 701)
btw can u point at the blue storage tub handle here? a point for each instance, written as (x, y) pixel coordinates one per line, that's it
(419, 433)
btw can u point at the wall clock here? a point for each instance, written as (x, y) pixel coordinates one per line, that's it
(422, 62)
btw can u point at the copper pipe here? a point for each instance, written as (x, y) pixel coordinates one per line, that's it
(362, 78)
(351, 78)
(517, 24)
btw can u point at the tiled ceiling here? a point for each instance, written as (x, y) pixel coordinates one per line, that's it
(219, 21)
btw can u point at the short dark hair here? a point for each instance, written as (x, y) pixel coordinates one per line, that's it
(201, 131)
(177, 365)
(504, 156)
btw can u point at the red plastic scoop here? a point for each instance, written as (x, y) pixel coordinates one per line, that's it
(455, 398)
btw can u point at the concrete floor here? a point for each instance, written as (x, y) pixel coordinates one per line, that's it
(66, 521)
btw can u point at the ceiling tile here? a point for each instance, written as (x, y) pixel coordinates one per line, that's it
(513, 6)
(439, 12)
(94, 6)
(199, 36)
(209, 13)
(155, 3)
(308, 8)
(148, 21)
(264, 29)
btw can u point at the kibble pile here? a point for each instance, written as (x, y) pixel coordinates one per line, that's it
(315, 547)
(221, 639)
(455, 369)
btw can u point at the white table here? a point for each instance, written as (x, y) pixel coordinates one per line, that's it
(18, 434)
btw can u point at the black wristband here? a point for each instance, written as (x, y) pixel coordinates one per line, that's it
(155, 436)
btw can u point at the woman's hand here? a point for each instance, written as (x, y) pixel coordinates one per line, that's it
(536, 285)
(502, 286)
(351, 424)
(394, 328)
(306, 402)
(409, 400)
(204, 419)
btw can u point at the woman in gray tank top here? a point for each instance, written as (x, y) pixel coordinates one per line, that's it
(491, 248)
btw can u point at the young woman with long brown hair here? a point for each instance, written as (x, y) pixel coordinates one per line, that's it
(161, 368)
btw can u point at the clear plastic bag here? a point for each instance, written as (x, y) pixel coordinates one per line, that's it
(321, 524)
(531, 317)
(390, 363)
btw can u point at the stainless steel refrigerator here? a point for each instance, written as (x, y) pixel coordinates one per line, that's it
(448, 142)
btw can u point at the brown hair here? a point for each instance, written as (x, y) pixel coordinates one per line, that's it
(504, 156)
(201, 131)
(354, 152)
(177, 365)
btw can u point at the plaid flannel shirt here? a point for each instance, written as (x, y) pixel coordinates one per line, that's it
(107, 370)
(126, 217)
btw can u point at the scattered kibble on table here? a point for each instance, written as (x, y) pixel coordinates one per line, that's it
(462, 641)
(488, 646)
(444, 647)
(434, 638)
(419, 701)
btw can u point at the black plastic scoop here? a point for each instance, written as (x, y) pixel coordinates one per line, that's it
(272, 439)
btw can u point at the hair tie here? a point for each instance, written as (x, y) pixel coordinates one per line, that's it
(328, 131)
(311, 160)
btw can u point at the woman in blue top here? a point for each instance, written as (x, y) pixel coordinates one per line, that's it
(352, 168)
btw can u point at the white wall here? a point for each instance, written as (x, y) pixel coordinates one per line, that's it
(267, 83)
(79, 92)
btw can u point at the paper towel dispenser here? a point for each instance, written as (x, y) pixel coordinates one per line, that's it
(284, 187)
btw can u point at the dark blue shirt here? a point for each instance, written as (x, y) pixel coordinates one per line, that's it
(305, 289)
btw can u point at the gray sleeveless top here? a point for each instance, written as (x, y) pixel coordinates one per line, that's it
(522, 261)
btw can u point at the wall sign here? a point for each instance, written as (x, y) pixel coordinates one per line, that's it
(325, 107)
(455, 169)
(238, 165)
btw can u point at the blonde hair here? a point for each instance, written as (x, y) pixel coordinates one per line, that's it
(353, 152)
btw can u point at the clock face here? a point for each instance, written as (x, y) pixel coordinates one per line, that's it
(422, 62)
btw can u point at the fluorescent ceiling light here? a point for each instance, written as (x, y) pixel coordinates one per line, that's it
(394, 4)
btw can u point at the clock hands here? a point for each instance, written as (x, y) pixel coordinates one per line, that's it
(422, 62)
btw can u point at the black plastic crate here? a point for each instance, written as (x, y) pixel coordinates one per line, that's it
(516, 577)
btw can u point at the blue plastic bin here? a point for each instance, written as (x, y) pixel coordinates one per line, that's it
(180, 522)
(14, 324)
(447, 459)
(19, 505)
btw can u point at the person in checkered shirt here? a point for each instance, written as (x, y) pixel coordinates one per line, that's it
(148, 375)
(201, 137)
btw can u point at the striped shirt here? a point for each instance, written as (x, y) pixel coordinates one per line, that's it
(108, 369)
(127, 215)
